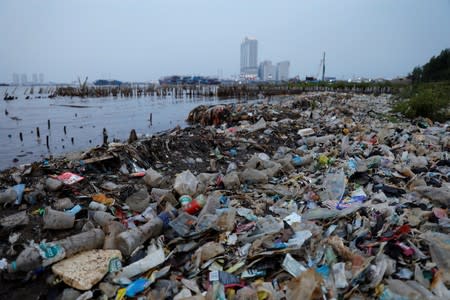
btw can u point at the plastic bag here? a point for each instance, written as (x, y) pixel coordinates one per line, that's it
(186, 183)
(335, 185)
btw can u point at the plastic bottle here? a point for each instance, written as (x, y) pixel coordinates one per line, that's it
(184, 200)
(97, 206)
(301, 160)
(54, 219)
(195, 205)
(102, 218)
(335, 185)
(113, 229)
(155, 256)
(137, 286)
(129, 240)
(32, 258)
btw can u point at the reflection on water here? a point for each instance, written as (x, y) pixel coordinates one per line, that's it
(84, 120)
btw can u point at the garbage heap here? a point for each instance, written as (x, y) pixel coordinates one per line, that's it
(319, 196)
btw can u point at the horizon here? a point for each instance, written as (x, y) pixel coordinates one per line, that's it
(142, 42)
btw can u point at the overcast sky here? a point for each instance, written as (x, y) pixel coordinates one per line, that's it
(142, 40)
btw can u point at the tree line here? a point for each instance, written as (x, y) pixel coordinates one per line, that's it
(437, 69)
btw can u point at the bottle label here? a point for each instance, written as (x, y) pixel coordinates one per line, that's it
(115, 265)
(51, 253)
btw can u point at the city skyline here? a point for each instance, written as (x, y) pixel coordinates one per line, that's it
(144, 41)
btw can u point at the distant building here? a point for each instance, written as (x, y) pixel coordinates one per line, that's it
(283, 71)
(35, 78)
(23, 79)
(249, 58)
(188, 80)
(267, 71)
(16, 79)
(41, 78)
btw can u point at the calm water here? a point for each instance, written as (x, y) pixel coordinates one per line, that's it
(85, 125)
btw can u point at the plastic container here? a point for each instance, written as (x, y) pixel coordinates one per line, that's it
(185, 200)
(54, 219)
(97, 206)
(34, 257)
(301, 160)
(155, 256)
(335, 185)
(195, 205)
(129, 240)
(102, 218)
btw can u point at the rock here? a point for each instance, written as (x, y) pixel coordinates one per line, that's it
(231, 181)
(208, 251)
(253, 176)
(8, 196)
(108, 289)
(438, 195)
(110, 186)
(70, 294)
(53, 185)
(163, 196)
(103, 218)
(152, 178)
(261, 124)
(205, 180)
(85, 269)
(305, 132)
(14, 220)
(139, 201)
(63, 203)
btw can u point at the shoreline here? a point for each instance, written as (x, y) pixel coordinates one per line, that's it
(269, 170)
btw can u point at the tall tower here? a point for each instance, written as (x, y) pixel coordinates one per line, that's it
(283, 70)
(323, 67)
(249, 58)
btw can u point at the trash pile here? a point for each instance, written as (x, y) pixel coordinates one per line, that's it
(319, 196)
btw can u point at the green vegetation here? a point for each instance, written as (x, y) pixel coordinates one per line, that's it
(429, 95)
(430, 100)
(437, 69)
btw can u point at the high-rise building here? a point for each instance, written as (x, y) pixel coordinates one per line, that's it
(267, 71)
(249, 58)
(16, 79)
(283, 70)
(35, 78)
(23, 79)
(41, 78)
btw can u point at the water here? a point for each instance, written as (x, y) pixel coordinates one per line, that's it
(85, 125)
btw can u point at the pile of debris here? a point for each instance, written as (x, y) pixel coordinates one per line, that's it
(319, 196)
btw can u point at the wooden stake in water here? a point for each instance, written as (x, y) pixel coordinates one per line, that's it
(21, 136)
(105, 137)
(48, 123)
(38, 133)
(46, 139)
(65, 130)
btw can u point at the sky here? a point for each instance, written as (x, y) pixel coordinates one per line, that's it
(137, 40)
